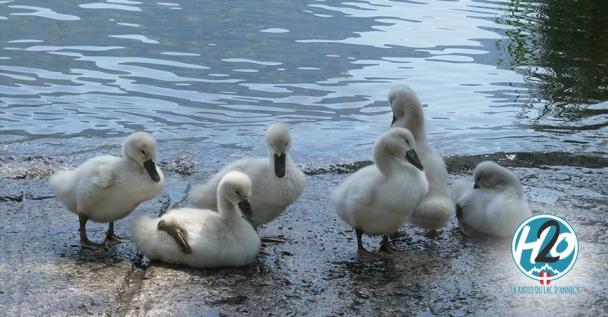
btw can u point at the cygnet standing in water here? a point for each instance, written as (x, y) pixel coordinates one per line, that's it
(436, 208)
(377, 199)
(277, 181)
(494, 205)
(204, 238)
(107, 188)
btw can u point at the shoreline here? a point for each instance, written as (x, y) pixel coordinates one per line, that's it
(315, 273)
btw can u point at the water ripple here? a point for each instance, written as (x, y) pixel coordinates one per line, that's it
(250, 61)
(324, 67)
(110, 6)
(44, 12)
(137, 37)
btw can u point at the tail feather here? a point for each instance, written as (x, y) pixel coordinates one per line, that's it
(458, 188)
(57, 179)
(433, 213)
(62, 184)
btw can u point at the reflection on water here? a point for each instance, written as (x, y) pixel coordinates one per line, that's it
(562, 48)
(495, 75)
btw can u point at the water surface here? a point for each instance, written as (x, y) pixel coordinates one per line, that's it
(525, 76)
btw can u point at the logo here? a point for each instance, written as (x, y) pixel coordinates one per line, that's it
(544, 248)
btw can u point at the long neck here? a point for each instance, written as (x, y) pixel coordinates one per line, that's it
(416, 126)
(226, 209)
(384, 162)
(124, 154)
(412, 118)
(271, 161)
(513, 182)
(414, 123)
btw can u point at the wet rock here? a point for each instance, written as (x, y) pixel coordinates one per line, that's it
(183, 165)
(541, 160)
(25, 168)
(316, 272)
(43, 270)
(232, 300)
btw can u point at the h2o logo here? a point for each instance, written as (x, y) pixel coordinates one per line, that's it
(544, 248)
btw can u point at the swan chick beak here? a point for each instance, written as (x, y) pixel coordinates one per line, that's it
(151, 169)
(245, 208)
(279, 164)
(412, 157)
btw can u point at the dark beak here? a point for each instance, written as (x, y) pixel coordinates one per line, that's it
(279, 165)
(394, 119)
(412, 157)
(476, 186)
(245, 208)
(151, 169)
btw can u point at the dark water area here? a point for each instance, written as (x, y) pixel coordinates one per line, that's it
(522, 76)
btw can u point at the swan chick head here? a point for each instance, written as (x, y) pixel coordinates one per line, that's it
(278, 138)
(141, 147)
(407, 108)
(235, 187)
(489, 174)
(278, 142)
(399, 143)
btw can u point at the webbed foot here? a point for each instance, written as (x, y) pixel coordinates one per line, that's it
(364, 254)
(93, 246)
(111, 236)
(387, 248)
(273, 240)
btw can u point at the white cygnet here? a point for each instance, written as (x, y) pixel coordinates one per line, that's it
(277, 181)
(494, 205)
(436, 209)
(107, 188)
(204, 238)
(378, 199)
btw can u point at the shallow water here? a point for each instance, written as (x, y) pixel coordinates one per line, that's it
(525, 76)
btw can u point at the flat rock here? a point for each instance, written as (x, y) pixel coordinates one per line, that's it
(316, 272)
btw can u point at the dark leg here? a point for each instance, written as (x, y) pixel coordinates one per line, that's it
(359, 240)
(361, 251)
(398, 234)
(386, 247)
(110, 236)
(84, 240)
(460, 221)
(178, 234)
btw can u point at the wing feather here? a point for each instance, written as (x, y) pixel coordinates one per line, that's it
(92, 184)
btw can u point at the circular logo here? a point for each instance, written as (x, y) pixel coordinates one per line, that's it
(544, 248)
